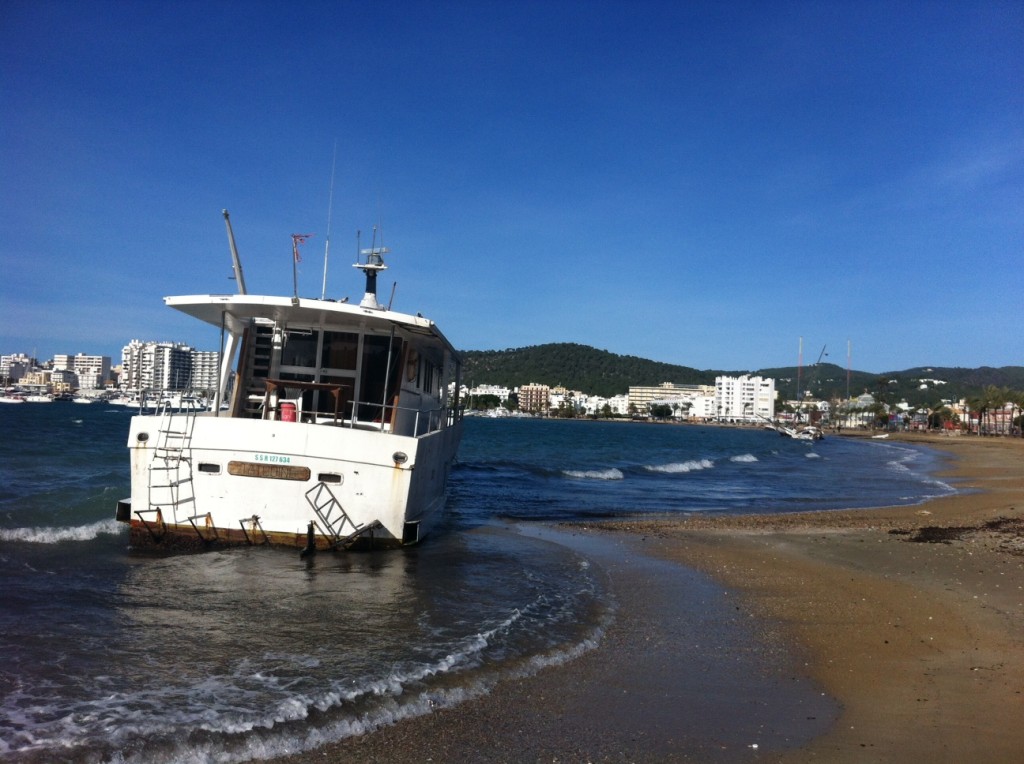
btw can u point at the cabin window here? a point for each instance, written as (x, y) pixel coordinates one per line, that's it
(341, 350)
(300, 348)
(374, 389)
(428, 377)
(208, 467)
(329, 477)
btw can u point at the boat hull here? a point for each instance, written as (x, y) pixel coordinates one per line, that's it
(224, 482)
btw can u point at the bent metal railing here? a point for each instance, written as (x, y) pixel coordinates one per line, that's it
(424, 420)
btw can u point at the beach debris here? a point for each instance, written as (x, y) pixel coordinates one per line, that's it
(934, 534)
(1008, 533)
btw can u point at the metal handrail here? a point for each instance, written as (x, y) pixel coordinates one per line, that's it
(437, 418)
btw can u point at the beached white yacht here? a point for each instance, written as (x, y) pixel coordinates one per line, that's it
(339, 429)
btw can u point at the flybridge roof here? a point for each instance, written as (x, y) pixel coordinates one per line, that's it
(236, 309)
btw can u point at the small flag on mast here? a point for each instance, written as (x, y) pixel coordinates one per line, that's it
(297, 239)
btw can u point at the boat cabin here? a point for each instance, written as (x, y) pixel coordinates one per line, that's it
(322, 362)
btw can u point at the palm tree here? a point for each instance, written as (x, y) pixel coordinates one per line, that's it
(993, 398)
(1017, 404)
(976, 405)
(938, 415)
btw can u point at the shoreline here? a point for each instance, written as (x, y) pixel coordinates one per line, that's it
(921, 644)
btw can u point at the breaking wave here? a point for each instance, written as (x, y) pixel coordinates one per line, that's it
(743, 458)
(608, 474)
(57, 535)
(694, 465)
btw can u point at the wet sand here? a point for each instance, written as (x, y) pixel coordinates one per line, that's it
(910, 620)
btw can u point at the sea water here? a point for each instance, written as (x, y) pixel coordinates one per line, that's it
(110, 655)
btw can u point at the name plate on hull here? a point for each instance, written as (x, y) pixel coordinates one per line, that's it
(275, 471)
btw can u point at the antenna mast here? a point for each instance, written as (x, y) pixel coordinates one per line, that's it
(297, 239)
(330, 208)
(235, 261)
(373, 265)
(848, 351)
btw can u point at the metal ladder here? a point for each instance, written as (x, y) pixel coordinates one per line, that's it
(334, 521)
(170, 470)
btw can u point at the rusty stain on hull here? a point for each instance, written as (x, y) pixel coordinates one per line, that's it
(181, 538)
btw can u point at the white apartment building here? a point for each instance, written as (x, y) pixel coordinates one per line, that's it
(13, 367)
(168, 366)
(744, 398)
(702, 407)
(205, 370)
(618, 404)
(641, 397)
(502, 393)
(92, 371)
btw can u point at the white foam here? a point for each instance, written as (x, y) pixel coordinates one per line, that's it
(265, 740)
(608, 474)
(812, 455)
(743, 458)
(57, 535)
(694, 465)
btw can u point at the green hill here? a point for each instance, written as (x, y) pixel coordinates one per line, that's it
(577, 367)
(580, 367)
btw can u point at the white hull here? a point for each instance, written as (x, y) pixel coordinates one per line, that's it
(253, 482)
(340, 430)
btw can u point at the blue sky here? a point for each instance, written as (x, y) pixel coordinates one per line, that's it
(695, 183)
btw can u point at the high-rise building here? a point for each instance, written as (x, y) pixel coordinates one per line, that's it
(744, 398)
(168, 366)
(205, 369)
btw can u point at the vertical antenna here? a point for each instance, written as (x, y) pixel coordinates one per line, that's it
(236, 262)
(848, 351)
(799, 369)
(330, 208)
(297, 239)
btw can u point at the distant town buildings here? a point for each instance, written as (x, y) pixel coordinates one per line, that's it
(167, 366)
(744, 399)
(145, 366)
(85, 372)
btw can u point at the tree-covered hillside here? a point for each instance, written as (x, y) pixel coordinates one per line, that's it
(917, 386)
(577, 367)
(580, 367)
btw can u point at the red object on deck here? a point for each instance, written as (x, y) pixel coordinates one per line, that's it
(287, 411)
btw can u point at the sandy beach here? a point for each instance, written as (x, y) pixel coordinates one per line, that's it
(910, 620)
